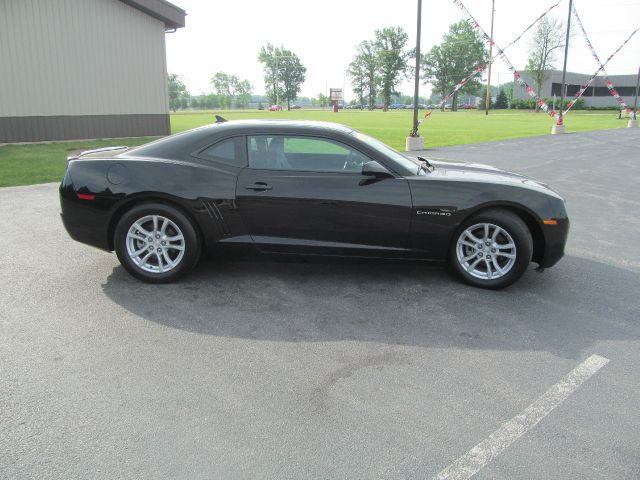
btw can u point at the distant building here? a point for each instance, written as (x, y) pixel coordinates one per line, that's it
(597, 95)
(74, 69)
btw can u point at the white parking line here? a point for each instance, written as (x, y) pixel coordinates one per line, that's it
(479, 456)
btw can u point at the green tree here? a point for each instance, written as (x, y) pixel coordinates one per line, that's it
(242, 93)
(364, 72)
(292, 74)
(544, 47)
(461, 51)
(483, 102)
(231, 90)
(222, 85)
(267, 57)
(323, 100)
(508, 89)
(284, 73)
(501, 100)
(390, 45)
(358, 75)
(177, 90)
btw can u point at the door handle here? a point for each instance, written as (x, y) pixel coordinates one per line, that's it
(259, 187)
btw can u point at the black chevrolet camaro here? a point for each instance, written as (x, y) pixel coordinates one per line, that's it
(305, 188)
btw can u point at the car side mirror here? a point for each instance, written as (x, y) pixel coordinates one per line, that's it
(374, 169)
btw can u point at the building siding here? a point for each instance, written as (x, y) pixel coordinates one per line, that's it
(80, 58)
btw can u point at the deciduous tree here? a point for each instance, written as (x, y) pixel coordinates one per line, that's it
(291, 74)
(284, 73)
(323, 100)
(544, 46)
(364, 74)
(461, 51)
(390, 46)
(177, 91)
(231, 90)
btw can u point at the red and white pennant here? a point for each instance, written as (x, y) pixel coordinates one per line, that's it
(516, 75)
(608, 82)
(480, 68)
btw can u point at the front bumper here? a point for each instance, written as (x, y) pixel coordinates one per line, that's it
(555, 241)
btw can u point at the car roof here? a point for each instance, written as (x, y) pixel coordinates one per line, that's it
(183, 144)
(276, 124)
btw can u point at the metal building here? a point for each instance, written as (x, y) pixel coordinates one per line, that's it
(597, 95)
(74, 69)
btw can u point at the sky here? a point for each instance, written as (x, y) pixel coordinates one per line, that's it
(227, 35)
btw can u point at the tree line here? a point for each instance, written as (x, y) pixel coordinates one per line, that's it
(284, 75)
(378, 67)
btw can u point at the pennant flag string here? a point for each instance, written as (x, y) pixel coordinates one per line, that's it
(608, 82)
(601, 68)
(516, 75)
(482, 67)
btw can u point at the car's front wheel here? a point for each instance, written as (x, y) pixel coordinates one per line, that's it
(156, 243)
(492, 249)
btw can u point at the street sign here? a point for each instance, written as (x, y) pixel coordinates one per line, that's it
(335, 94)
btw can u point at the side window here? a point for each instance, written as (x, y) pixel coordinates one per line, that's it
(227, 151)
(310, 154)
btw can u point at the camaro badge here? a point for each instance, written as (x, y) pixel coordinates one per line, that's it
(442, 212)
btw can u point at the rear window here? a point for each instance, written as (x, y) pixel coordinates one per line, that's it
(229, 151)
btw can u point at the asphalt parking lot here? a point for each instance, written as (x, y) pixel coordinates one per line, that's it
(330, 370)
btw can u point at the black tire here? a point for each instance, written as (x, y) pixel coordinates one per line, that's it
(519, 232)
(191, 243)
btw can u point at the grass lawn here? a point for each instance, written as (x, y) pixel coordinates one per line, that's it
(39, 163)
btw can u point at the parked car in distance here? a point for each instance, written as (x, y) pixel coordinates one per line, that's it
(378, 106)
(275, 108)
(295, 107)
(305, 188)
(468, 106)
(397, 106)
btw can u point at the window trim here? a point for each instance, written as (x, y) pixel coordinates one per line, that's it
(241, 152)
(305, 135)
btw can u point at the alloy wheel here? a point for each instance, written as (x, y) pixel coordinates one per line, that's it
(486, 251)
(155, 244)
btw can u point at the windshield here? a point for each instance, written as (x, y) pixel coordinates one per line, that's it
(389, 152)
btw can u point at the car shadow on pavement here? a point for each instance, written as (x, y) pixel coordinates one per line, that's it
(564, 310)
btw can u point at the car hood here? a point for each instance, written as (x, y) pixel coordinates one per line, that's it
(480, 173)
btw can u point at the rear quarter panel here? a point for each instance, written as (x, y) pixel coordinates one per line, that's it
(205, 192)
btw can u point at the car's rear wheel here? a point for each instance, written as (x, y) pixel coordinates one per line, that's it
(492, 249)
(156, 243)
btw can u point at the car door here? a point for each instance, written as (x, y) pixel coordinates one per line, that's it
(307, 194)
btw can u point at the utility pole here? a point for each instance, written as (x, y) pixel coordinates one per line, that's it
(559, 127)
(487, 100)
(414, 141)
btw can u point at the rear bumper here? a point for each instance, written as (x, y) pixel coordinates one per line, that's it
(83, 221)
(555, 242)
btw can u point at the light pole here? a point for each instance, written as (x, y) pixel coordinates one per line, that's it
(559, 127)
(634, 119)
(416, 89)
(414, 141)
(487, 100)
